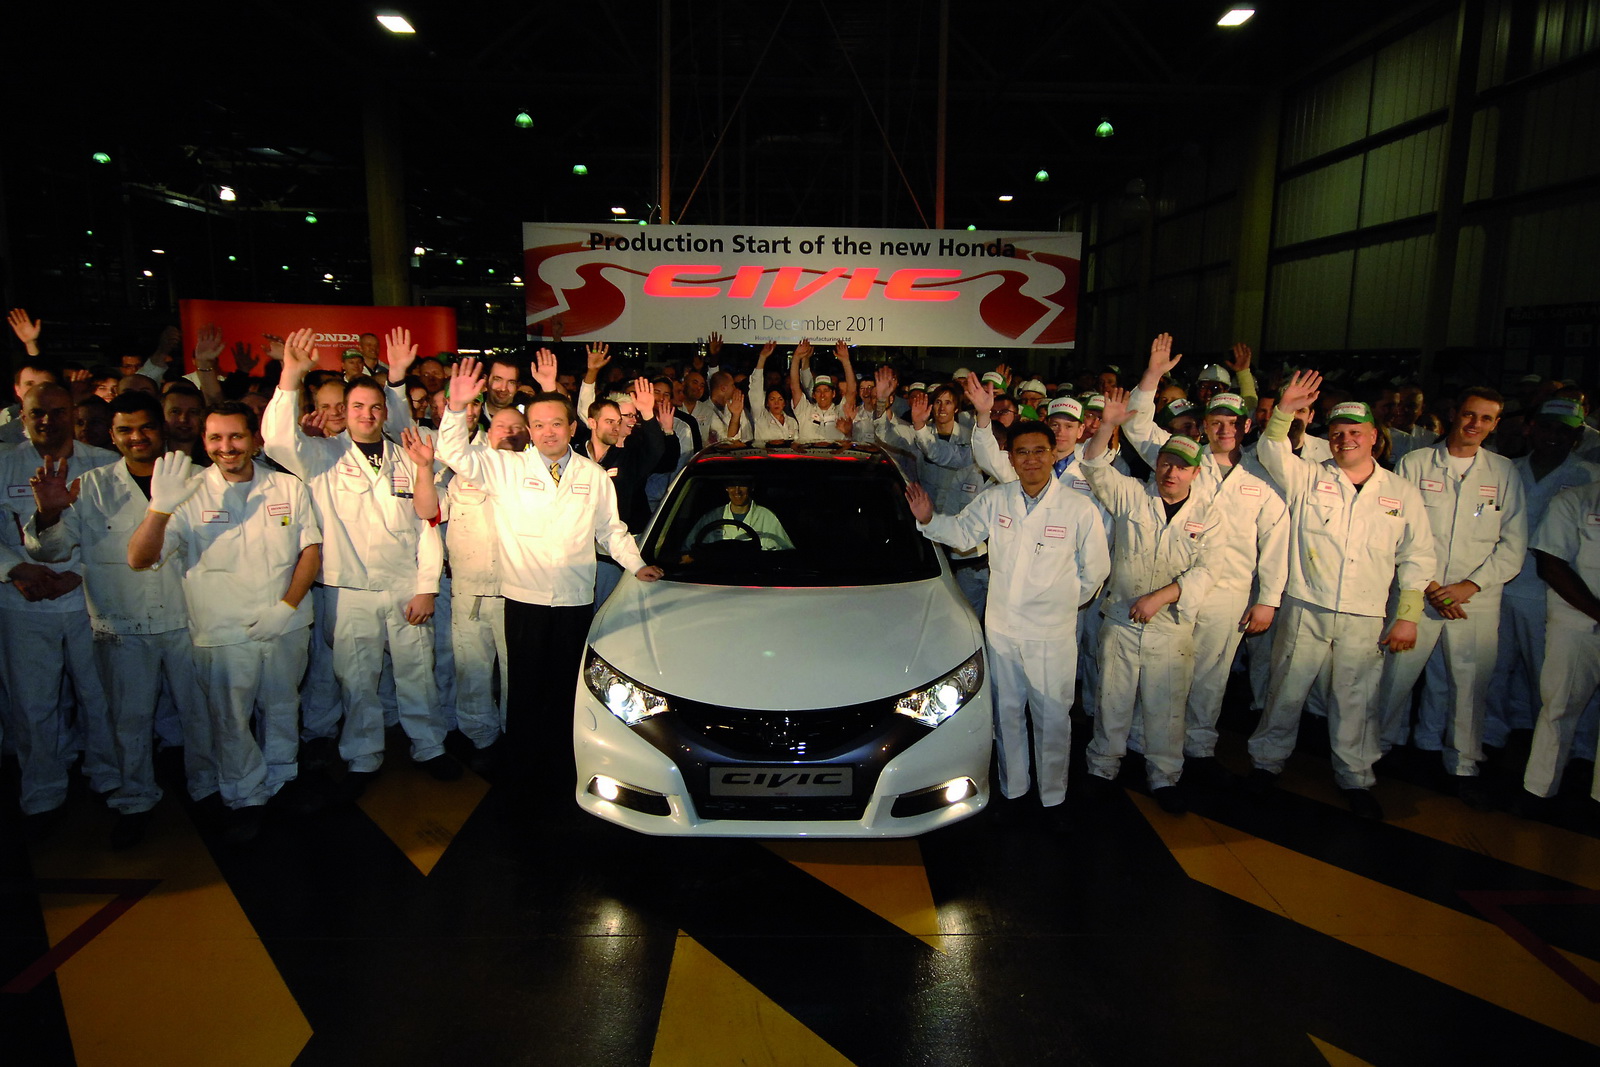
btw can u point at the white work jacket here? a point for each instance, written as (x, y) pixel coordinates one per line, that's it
(545, 533)
(109, 509)
(820, 424)
(1348, 546)
(1537, 493)
(1479, 522)
(237, 544)
(1571, 532)
(995, 462)
(1252, 546)
(18, 465)
(372, 537)
(945, 467)
(1149, 551)
(1042, 564)
(467, 517)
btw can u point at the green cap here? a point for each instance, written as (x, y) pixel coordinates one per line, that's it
(1350, 411)
(1171, 410)
(1185, 449)
(1227, 404)
(1094, 402)
(1566, 411)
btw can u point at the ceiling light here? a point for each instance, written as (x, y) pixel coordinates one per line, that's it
(970, 226)
(580, 170)
(419, 250)
(1237, 15)
(149, 274)
(619, 211)
(459, 262)
(227, 193)
(644, 222)
(396, 23)
(159, 251)
(327, 277)
(89, 232)
(491, 270)
(233, 259)
(1006, 198)
(1041, 175)
(101, 157)
(516, 279)
(286, 266)
(86, 263)
(1104, 129)
(523, 120)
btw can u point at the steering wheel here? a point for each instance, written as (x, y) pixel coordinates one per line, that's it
(701, 538)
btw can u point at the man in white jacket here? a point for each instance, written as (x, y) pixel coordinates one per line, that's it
(552, 507)
(247, 542)
(379, 559)
(1047, 555)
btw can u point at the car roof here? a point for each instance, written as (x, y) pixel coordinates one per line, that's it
(832, 452)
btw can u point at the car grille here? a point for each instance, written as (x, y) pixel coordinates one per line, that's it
(778, 735)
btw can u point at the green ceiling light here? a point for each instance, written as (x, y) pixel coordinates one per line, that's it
(524, 121)
(311, 218)
(644, 222)
(86, 263)
(233, 259)
(286, 266)
(491, 270)
(460, 262)
(1105, 129)
(101, 157)
(1041, 175)
(580, 170)
(970, 226)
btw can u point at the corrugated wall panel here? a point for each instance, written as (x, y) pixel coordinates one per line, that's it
(1564, 29)
(1222, 232)
(1328, 115)
(1214, 313)
(1481, 155)
(1172, 306)
(1551, 257)
(1412, 76)
(1389, 294)
(1318, 204)
(1559, 139)
(1178, 243)
(1403, 178)
(1309, 303)
(1467, 291)
(1496, 42)
(1119, 263)
(1183, 180)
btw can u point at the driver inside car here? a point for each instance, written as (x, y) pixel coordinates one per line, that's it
(734, 522)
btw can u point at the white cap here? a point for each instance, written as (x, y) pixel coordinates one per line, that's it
(822, 379)
(1215, 372)
(1065, 405)
(1032, 385)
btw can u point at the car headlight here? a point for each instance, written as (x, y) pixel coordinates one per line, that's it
(622, 696)
(938, 700)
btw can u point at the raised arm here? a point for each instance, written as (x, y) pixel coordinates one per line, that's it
(1274, 451)
(285, 441)
(847, 374)
(26, 329)
(802, 354)
(424, 490)
(207, 351)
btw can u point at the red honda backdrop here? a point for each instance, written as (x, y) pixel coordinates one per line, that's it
(433, 329)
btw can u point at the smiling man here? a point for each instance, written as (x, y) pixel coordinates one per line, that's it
(1475, 506)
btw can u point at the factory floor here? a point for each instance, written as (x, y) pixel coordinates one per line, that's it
(431, 923)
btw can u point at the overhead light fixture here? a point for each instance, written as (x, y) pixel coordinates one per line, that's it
(311, 218)
(286, 266)
(580, 170)
(419, 250)
(89, 233)
(159, 251)
(227, 193)
(1105, 129)
(86, 263)
(149, 274)
(327, 277)
(970, 226)
(233, 259)
(1237, 15)
(1006, 198)
(491, 270)
(644, 222)
(523, 120)
(101, 157)
(459, 262)
(516, 279)
(395, 23)
(1041, 175)
(619, 211)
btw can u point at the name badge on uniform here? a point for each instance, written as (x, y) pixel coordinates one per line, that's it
(532, 483)
(1192, 527)
(351, 469)
(1003, 521)
(1250, 490)
(1055, 531)
(968, 487)
(1431, 486)
(277, 509)
(402, 483)
(214, 516)
(1390, 504)
(611, 472)
(15, 491)
(1592, 519)
(582, 489)
(1079, 483)
(1328, 487)
(1490, 491)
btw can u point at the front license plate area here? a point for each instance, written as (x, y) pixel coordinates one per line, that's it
(762, 781)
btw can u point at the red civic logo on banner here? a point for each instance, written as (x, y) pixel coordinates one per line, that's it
(433, 329)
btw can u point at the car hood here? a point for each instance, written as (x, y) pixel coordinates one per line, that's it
(784, 649)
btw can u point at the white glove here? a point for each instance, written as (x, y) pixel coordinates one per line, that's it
(273, 623)
(170, 482)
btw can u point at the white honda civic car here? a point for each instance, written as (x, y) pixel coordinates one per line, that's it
(807, 667)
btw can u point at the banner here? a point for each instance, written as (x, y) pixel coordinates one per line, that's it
(433, 329)
(938, 288)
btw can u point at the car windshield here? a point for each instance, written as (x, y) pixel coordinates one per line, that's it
(790, 521)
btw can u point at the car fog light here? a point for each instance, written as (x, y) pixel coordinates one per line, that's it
(644, 801)
(933, 798)
(957, 790)
(607, 788)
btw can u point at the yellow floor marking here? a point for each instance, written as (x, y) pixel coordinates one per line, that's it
(885, 877)
(420, 814)
(711, 1017)
(1534, 846)
(1337, 1057)
(1469, 954)
(181, 978)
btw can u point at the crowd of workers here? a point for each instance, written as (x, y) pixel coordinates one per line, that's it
(270, 573)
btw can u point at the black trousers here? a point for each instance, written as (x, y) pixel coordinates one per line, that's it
(544, 649)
